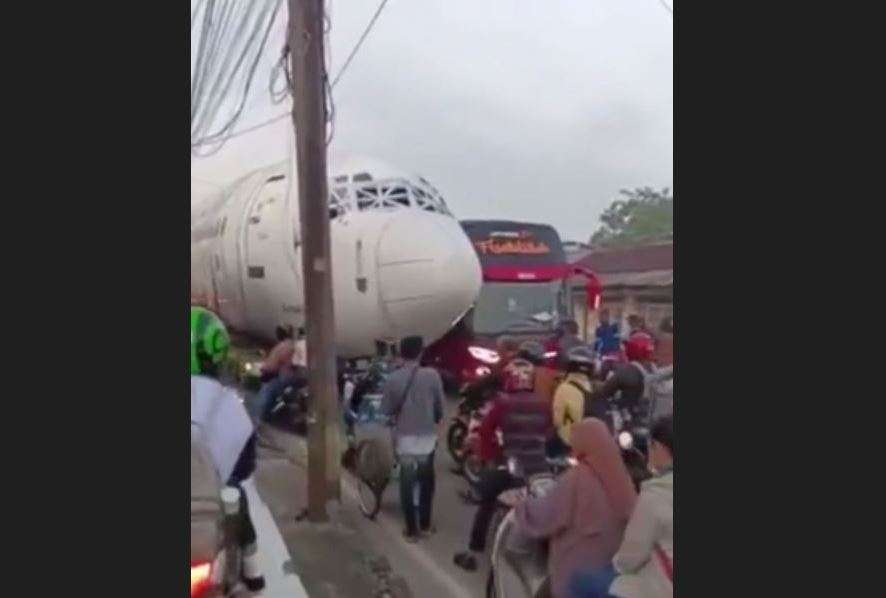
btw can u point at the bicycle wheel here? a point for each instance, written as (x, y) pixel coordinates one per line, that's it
(369, 498)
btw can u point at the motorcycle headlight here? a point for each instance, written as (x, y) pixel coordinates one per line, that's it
(483, 354)
(550, 354)
(625, 440)
(482, 371)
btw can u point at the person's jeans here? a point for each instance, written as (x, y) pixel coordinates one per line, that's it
(261, 409)
(592, 584)
(492, 483)
(417, 470)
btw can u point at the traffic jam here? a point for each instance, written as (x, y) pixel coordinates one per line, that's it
(541, 412)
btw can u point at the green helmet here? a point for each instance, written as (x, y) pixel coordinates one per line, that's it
(209, 341)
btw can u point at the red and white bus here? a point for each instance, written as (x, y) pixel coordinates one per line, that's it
(524, 295)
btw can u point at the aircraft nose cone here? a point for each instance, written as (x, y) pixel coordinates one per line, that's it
(429, 274)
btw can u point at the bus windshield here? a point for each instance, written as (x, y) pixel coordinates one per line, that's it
(516, 307)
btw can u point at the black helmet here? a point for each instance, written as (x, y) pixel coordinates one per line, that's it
(581, 356)
(531, 351)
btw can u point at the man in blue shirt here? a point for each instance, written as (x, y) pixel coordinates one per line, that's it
(607, 337)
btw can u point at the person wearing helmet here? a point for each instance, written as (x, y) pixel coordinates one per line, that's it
(524, 419)
(570, 397)
(219, 422)
(630, 379)
(546, 378)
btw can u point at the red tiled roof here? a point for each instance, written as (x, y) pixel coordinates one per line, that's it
(644, 258)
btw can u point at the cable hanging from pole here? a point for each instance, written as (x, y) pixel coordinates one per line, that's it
(278, 95)
(231, 37)
(353, 53)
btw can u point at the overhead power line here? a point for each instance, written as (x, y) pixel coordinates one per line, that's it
(232, 39)
(359, 42)
(341, 71)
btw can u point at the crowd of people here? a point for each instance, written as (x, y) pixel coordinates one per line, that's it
(604, 538)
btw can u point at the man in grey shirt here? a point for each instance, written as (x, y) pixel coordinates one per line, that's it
(413, 398)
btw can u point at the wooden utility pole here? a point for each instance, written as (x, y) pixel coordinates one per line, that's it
(309, 118)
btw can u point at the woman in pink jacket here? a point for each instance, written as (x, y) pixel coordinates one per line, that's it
(585, 514)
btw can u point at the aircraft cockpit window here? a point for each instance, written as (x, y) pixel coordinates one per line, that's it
(366, 198)
(398, 195)
(387, 194)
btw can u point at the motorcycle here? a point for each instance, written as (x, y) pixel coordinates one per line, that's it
(633, 440)
(290, 407)
(519, 564)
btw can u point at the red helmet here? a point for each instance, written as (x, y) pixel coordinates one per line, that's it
(639, 347)
(518, 375)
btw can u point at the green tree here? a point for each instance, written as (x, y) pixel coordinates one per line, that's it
(642, 215)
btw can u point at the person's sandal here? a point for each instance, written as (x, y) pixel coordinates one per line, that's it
(466, 561)
(430, 531)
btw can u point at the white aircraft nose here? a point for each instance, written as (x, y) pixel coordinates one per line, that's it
(428, 272)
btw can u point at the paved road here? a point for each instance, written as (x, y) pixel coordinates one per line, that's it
(452, 517)
(427, 565)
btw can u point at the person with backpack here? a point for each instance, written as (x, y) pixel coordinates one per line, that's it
(524, 419)
(222, 428)
(645, 390)
(570, 397)
(412, 397)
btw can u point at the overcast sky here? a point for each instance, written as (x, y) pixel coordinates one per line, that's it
(522, 109)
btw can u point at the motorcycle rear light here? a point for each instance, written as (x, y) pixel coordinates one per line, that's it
(200, 578)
